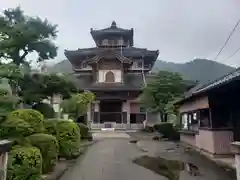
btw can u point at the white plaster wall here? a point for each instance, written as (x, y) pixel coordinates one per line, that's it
(117, 74)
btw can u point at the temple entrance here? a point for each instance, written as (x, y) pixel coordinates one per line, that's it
(111, 111)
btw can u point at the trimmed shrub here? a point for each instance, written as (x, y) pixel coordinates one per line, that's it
(48, 146)
(68, 136)
(148, 129)
(83, 130)
(24, 163)
(15, 127)
(33, 117)
(167, 130)
(46, 109)
(51, 126)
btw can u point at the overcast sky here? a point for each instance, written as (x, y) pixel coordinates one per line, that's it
(180, 29)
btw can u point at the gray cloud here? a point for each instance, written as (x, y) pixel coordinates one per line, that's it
(180, 29)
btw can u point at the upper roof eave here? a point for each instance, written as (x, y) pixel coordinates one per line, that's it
(130, 51)
(112, 30)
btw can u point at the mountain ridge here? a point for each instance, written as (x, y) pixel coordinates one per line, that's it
(201, 70)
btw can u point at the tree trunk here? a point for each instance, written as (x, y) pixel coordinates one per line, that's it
(164, 117)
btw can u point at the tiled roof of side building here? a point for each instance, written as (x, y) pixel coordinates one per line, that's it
(202, 88)
(220, 81)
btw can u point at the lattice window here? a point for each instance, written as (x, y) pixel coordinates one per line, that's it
(120, 42)
(105, 42)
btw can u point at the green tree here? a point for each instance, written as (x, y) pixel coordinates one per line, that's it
(21, 35)
(77, 105)
(162, 90)
(36, 87)
(32, 88)
(13, 73)
(58, 84)
(7, 100)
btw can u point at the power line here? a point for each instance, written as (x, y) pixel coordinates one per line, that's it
(230, 35)
(233, 54)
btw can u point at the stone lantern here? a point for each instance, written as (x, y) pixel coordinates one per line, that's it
(5, 147)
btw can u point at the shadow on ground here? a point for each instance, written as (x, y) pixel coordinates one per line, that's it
(168, 168)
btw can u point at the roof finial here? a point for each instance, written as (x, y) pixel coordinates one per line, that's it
(113, 25)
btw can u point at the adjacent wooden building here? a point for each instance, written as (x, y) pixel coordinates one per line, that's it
(210, 115)
(115, 71)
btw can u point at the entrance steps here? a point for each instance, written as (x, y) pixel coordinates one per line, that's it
(107, 129)
(115, 130)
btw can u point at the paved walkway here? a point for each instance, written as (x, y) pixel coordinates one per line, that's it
(169, 150)
(110, 159)
(110, 134)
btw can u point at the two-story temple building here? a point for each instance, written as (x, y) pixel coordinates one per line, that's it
(116, 72)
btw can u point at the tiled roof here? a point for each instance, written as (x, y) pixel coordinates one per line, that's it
(220, 81)
(113, 29)
(126, 51)
(200, 88)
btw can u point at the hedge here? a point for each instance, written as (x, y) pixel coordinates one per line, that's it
(51, 126)
(15, 127)
(24, 163)
(46, 109)
(83, 130)
(49, 148)
(68, 136)
(167, 130)
(33, 117)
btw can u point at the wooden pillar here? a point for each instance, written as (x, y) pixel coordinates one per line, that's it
(125, 114)
(210, 118)
(96, 113)
(89, 115)
(128, 114)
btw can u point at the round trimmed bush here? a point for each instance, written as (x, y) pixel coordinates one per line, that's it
(68, 136)
(167, 130)
(46, 109)
(48, 146)
(33, 117)
(83, 130)
(51, 126)
(15, 127)
(25, 163)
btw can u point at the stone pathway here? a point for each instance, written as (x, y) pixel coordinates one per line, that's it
(110, 134)
(111, 159)
(169, 150)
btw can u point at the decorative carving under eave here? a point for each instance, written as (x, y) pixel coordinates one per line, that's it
(109, 54)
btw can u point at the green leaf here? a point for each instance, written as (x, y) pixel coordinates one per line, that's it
(21, 35)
